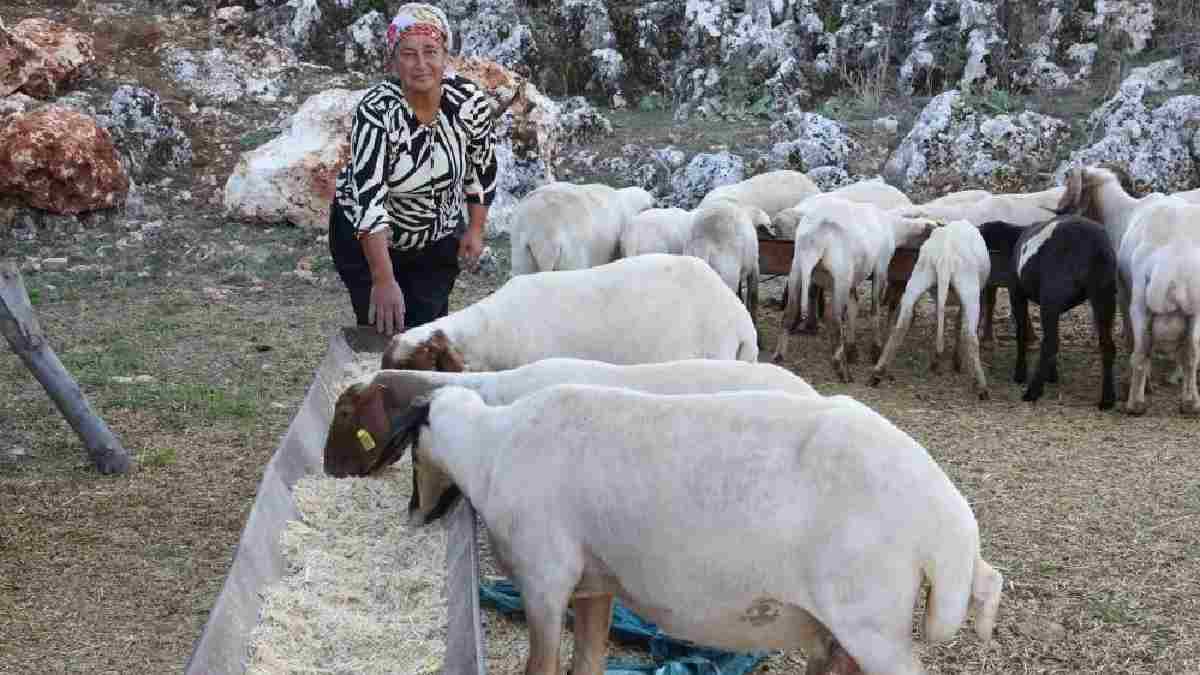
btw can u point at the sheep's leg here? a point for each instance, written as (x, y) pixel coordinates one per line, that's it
(841, 297)
(593, 618)
(544, 614)
(968, 335)
(874, 651)
(1139, 359)
(1104, 309)
(918, 284)
(935, 357)
(797, 280)
(1049, 351)
(752, 295)
(852, 328)
(1020, 311)
(818, 644)
(878, 285)
(1190, 406)
(816, 299)
(988, 301)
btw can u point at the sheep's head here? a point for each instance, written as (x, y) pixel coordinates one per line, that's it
(913, 231)
(635, 200)
(1083, 186)
(434, 353)
(358, 431)
(762, 222)
(785, 223)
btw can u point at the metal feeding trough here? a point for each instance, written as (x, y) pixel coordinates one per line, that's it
(258, 561)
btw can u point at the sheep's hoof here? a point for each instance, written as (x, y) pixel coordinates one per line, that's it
(956, 365)
(875, 379)
(934, 365)
(1135, 408)
(1031, 395)
(984, 395)
(1190, 409)
(1107, 403)
(777, 358)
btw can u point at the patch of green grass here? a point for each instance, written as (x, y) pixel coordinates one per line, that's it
(99, 362)
(1111, 608)
(157, 457)
(1049, 568)
(189, 403)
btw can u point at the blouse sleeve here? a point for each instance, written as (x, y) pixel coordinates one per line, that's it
(373, 161)
(481, 151)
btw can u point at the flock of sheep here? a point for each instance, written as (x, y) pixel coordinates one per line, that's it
(605, 411)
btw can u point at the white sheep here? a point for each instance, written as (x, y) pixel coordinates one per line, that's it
(656, 231)
(740, 520)
(838, 244)
(873, 191)
(724, 236)
(1159, 268)
(1190, 196)
(644, 309)
(667, 230)
(772, 191)
(1018, 208)
(565, 226)
(954, 258)
(959, 197)
(372, 403)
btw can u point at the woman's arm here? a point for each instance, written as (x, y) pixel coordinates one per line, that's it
(372, 160)
(481, 173)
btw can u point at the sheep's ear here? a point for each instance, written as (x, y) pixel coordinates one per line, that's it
(405, 429)
(446, 358)
(1074, 192)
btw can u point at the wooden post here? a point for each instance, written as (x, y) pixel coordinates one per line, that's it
(464, 633)
(20, 327)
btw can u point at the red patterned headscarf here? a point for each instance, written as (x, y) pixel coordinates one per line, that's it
(418, 18)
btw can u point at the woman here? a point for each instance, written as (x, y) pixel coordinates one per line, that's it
(421, 148)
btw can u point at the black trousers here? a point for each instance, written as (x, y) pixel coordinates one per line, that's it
(426, 276)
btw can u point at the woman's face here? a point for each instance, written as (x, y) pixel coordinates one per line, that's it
(419, 61)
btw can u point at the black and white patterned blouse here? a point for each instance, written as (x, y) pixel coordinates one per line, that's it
(416, 178)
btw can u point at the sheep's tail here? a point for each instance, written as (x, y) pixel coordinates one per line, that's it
(955, 586)
(944, 270)
(1170, 291)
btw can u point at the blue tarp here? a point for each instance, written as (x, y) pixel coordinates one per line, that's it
(671, 656)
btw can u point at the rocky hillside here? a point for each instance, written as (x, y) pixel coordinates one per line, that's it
(130, 108)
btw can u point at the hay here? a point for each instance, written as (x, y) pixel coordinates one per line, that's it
(362, 593)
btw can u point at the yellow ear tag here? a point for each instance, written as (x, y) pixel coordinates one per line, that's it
(364, 437)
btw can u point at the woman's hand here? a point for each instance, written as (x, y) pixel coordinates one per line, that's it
(470, 247)
(387, 308)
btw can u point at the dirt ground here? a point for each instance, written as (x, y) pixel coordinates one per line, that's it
(1091, 516)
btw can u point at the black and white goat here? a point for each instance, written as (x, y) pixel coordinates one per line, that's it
(1058, 264)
